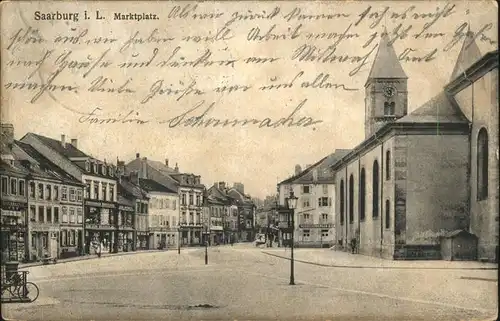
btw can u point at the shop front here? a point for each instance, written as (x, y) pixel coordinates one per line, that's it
(126, 228)
(101, 226)
(142, 240)
(216, 235)
(13, 231)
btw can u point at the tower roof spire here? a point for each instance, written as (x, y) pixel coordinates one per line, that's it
(386, 63)
(468, 55)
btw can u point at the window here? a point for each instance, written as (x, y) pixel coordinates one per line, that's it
(183, 199)
(190, 199)
(95, 167)
(63, 238)
(375, 186)
(389, 108)
(362, 194)
(324, 217)
(41, 212)
(96, 190)
(72, 194)
(111, 192)
(49, 214)
(4, 185)
(324, 233)
(32, 213)
(198, 200)
(104, 194)
(174, 205)
(72, 215)
(56, 192)
(351, 199)
(306, 216)
(32, 190)
(387, 165)
(22, 187)
(323, 201)
(13, 186)
(48, 192)
(482, 165)
(111, 171)
(305, 189)
(65, 214)
(305, 202)
(103, 169)
(56, 214)
(64, 193)
(387, 214)
(325, 189)
(306, 234)
(87, 189)
(79, 213)
(79, 195)
(342, 201)
(87, 166)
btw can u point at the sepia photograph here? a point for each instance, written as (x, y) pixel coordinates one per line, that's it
(249, 160)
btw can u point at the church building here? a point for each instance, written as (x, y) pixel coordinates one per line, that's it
(420, 176)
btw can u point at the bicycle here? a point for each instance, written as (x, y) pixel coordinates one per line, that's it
(19, 288)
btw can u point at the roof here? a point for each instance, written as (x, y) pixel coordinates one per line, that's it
(42, 166)
(68, 150)
(130, 190)
(322, 166)
(386, 63)
(439, 109)
(150, 185)
(469, 54)
(14, 168)
(458, 232)
(159, 166)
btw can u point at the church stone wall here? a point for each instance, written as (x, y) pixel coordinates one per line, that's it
(436, 185)
(484, 213)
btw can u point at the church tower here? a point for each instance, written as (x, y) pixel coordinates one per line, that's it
(386, 90)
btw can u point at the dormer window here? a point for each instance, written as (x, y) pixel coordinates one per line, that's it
(389, 108)
(87, 166)
(111, 171)
(95, 167)
(103, 169)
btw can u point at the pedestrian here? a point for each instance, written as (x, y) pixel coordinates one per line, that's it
(99, 249)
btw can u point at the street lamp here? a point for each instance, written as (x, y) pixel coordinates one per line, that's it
(206, 244)
(292, 204)
(179, 240)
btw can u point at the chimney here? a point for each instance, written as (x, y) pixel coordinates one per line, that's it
(120, 168)
(176, 169)
(144, 168)
(74, 142)
(222, 186)
(298, 169)
(63, 140)
(166, 162)
(137, 155)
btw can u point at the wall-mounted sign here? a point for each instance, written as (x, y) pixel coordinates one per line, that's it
(316, 225)
(100, 204)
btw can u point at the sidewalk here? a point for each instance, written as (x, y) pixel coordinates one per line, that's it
(88, 257)
(331, 258)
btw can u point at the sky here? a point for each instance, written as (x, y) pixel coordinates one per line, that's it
(256, 157)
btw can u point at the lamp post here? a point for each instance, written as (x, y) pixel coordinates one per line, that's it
(206, 244)
(179, 240)
(292, 204)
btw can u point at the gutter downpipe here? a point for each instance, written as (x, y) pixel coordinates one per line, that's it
(345, 208)
(381, 184)
(469, 168)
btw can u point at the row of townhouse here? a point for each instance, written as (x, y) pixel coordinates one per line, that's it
(59, 202)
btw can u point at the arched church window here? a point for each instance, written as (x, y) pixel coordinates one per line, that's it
(387, 214)
(388, 165)
(482, 164)
(362, 194)
(351, 199)
(375, 186)
(342, 201)
(389, 108)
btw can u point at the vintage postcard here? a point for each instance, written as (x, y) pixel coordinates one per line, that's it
(249, 160)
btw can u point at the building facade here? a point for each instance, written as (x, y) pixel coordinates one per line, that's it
(100, 193)
(394, 195)
(315, 213)
(55, 207)
(163, 214)
(246, 213)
